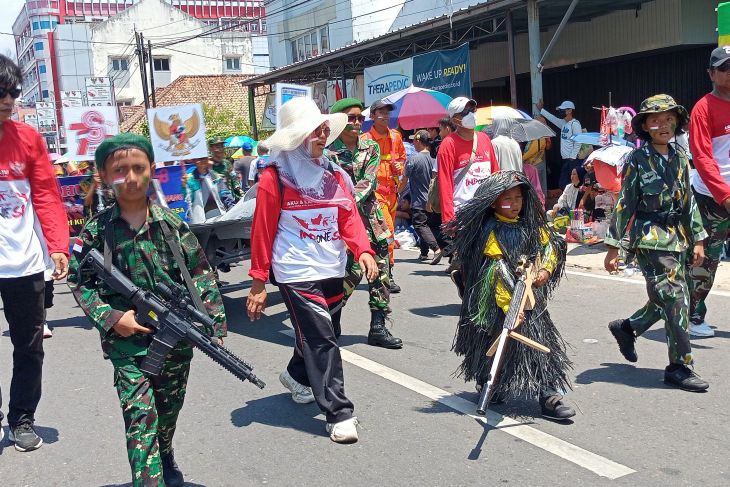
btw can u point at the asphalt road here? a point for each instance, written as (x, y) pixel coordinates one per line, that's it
(631, 430)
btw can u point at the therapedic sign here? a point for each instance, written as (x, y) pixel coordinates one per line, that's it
(447, 71)
(384, 79)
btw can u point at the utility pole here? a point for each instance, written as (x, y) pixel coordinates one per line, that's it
(152, 75)
(142, 67)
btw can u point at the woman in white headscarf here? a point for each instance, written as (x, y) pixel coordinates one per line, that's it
(305, 220)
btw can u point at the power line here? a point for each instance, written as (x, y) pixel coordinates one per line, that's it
(211, 57)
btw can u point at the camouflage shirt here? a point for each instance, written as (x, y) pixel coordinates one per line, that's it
(656, 192)
(144, 256)
(224, 169)
(362, 166)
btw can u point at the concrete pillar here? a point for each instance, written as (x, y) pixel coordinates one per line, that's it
(533, 33)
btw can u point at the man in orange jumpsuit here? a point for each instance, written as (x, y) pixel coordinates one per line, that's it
(392, 164)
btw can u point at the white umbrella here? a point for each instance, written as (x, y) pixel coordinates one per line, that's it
(612, 155)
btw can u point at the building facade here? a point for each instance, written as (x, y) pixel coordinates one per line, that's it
(39, 18)
(300, 32)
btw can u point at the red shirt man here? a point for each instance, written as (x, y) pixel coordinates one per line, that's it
(33, 232)
(710, 146)
(458, 175)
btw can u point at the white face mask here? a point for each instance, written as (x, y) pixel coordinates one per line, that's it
(469, 121)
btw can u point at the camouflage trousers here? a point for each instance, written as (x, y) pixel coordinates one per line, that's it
(666, 285)
(150, 407)
(380, 288)
(717, 225)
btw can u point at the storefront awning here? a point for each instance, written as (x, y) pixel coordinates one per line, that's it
(481, 23)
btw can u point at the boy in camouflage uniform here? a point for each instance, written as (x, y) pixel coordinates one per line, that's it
(666, 233)
(360, 159)
(135, 230)
(223, 166)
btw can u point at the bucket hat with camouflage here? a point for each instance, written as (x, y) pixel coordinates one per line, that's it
(658, 104)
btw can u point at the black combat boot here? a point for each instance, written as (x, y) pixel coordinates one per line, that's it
(171, 473)
(394, 288)
(625, 337)
(379, 335)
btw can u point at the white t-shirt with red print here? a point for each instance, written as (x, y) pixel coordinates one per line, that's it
(33, 222)
(299, 240)
(454, 154)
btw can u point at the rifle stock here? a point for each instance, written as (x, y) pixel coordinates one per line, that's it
(171, 320)
(522, 298)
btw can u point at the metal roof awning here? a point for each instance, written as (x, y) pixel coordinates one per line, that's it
(477, 24)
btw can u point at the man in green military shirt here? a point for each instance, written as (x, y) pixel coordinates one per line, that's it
(136, 232)
(223, 166)
(360, 159)
(666, 233)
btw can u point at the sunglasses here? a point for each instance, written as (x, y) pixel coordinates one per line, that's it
(724, 67)
(13, 92)
(354, 118)
(322, 129)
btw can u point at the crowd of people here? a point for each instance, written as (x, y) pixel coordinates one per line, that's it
(329, 201)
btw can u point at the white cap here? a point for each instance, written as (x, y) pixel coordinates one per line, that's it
(458, 104)
(566, 104)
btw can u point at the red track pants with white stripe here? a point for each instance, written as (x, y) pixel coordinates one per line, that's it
(316, 361)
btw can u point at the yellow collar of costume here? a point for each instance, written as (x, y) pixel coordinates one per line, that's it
(504, 219)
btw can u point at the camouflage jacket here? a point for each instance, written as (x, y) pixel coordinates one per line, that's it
(144, 256)
(224, 169)
(362, 166)
(657, 193)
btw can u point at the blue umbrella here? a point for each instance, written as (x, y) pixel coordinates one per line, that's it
(238, 141)
(594, 138)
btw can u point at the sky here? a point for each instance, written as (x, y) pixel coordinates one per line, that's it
(11, 8)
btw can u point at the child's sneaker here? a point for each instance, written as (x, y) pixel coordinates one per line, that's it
(344, 431)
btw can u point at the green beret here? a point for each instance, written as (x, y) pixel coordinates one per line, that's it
(345, 103)
(216, 140)
(126, 140)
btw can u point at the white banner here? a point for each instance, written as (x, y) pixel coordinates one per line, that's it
(178, 132)
(46, 111)
(72, 99)
(285, 92)
(86, 128)
(31, 120)
(99, 92)
(384, 79)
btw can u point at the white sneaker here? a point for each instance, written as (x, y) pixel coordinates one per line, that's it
(701, 330)
(2, 433)
(300, 393)
(344, 431)
(47, 333)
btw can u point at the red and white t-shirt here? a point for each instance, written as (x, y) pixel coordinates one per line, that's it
(301, 241)
(709, 138)
(33, 222)
(454, 154)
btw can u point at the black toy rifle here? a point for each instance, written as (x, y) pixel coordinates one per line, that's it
(522, 299)
(171, 320)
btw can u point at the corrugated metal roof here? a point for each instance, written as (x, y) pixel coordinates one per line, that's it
(551, 13)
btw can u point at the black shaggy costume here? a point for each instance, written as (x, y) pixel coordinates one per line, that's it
(525, 372)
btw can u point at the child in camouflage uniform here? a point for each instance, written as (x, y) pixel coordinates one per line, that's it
(666, 235)
(360, 158)
(135, 230)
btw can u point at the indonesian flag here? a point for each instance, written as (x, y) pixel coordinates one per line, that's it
(78, 245)
(338, 92)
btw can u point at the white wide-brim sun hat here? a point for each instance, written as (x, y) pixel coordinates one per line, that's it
(298, 118)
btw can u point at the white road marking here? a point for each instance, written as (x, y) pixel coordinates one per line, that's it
(641, 282)
(583, 458)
